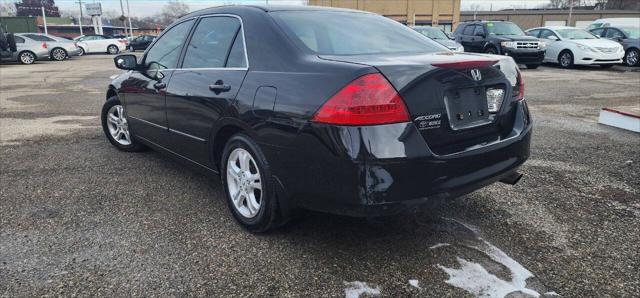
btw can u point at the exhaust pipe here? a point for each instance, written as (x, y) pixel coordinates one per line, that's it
(512, 178)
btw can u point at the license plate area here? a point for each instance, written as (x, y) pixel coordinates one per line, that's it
(467, 108)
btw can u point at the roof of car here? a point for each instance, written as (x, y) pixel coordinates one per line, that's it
(486, 21)
(268, 8)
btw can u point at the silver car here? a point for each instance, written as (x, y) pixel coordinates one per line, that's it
(59, 48)
(28, 51)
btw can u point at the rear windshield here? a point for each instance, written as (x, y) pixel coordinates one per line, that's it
(632, 32)
(348, 33)
(432, 33)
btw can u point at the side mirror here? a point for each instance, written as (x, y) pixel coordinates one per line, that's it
(552, 37)
(126, 62)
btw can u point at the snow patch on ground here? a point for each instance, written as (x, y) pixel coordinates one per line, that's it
(356, 288)
(414, 283)
(475, 279)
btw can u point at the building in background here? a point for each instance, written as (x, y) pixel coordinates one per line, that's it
(65, 27)
(529, 18)
(437, 13)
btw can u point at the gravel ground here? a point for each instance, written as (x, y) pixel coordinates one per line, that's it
(78, 217)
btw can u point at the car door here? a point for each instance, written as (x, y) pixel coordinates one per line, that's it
(553, 45)
(199, 93)
(479, 38)
(466, 37)
(144, 90)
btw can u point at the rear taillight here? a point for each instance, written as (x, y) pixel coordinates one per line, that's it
(44, 45)
(519, 88)
(368, 100)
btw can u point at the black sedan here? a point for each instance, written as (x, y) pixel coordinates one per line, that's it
(141, 42)
(293, 111)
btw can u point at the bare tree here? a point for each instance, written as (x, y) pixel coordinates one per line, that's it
(172, 11)
(7, 9)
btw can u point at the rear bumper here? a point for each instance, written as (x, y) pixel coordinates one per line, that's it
(364, 171)
(525, 56)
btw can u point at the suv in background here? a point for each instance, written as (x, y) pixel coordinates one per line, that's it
(629, 37)
(501, 38)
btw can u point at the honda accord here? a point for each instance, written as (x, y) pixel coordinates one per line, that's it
(333, 110)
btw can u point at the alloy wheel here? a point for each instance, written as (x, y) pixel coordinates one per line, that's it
(58, 54)
(27, 58)
(565, 60)
(80, 51)
(244, 183)
(632, 58)
(118, 125)
(112, 50)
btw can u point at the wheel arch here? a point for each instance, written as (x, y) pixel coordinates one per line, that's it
(111, 92)
(564, 50)
(65, 51)
(491, 45)
(223, 131)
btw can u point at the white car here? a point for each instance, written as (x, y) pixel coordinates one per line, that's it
(615, 22)
(569, 46)
(95, 43)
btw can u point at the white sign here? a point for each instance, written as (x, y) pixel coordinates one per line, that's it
(93, 9)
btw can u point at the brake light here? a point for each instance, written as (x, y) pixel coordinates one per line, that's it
(466, 64)
(44, 45)
(520, 86)
(367, 100)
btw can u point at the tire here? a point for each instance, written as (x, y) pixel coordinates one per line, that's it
(117, 129)
(58, 54)
(491, 50)
(27, 57)
(11, 41)
(113, 49)
(605, 66)
(533, 66)
(565, 59)
(265, 215)
(632, 57)
(82, 52)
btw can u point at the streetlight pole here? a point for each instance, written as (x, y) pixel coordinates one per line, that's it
(129, 18)
(80, 20)
(570, 12)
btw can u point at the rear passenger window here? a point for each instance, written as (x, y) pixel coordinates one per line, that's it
(211, 44)
(614, 33)
(39, 37)
(18, 39)
(478, 29)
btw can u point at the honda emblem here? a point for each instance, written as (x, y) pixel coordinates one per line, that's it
(476, 75)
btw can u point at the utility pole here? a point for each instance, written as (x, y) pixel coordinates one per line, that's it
(80, 20)
(570, 12)
(129, 18)
(44, 19)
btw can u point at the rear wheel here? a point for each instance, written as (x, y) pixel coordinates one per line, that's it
(248, 184)
(58, 54)
(532, 66)
(116, 126)
(566, 59)
(27, 57)
(112, 49)
(632, 57)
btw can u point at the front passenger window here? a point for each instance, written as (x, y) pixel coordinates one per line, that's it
(165, 53)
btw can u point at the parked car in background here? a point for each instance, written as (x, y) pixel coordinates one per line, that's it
(440, 37)
(569, 46)
(615, 22)
(95, 43)
(28, 51)
(141, 42)
(629, 37)
(327, 109)
(501, 38)
(59, 48)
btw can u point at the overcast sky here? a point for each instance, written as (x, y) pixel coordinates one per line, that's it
(149, 7)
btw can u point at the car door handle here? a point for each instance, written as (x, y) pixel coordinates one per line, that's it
(219, 87)
(159, 85)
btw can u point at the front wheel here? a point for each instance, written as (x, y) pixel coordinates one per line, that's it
(632, 57)
(248, 184)
(27, 57)
(491, 50)
(533, 66)
(80, 51)
(112, 49)
(566, 59)
(116, 126)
